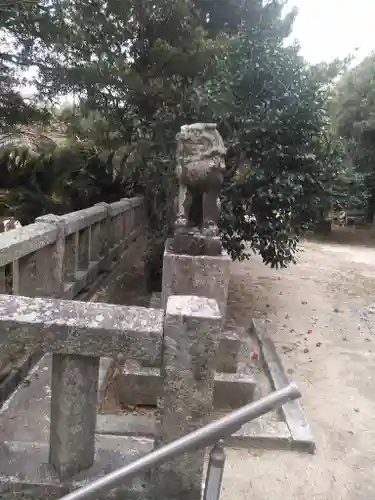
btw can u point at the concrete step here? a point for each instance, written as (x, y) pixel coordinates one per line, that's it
(26, 464)
(138, 386)
(22, 421)
(263, 433)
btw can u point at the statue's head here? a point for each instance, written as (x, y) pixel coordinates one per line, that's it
(188, 132)
(200, 138)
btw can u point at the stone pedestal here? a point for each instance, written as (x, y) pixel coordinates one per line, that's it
(199, 275)
(191, 337)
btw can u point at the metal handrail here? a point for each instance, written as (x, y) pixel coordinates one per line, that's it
(200, 438)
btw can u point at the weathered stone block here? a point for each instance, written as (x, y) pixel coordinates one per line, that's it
(262, 433)
(199, 275)
(82, 219)
(137, 216)
(73, 413)
(3, 287)
(96, 243)
(79, 237)
(118, 225)
(71, 256)
(139, 385)
(38, 274)
(229, 349)
(15, 277)
(191, 335)
(195, 244)
(233, 391)
(117, 235)
(25, 240)
(27, 464)
(106, 239)
(130, 221)
(86, 328)
(126, 425)
(55, 285)
(35, 252)
(121, 206)
(84, 237)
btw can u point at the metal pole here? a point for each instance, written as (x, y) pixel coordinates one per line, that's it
(215, 472)
(200, 438)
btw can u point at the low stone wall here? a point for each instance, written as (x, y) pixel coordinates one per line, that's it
(59, 256)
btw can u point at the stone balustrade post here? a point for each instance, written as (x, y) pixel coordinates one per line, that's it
(118, 215)
(140, 214)
(96, 242)
(55, 282)
(71, 256)
(191, 338)
(132, 216)
(131, 220)
(125, 233)
(106, 238)
(15, 277)
(73, 413)
(40, 273)
(2, 280)
(84, 237)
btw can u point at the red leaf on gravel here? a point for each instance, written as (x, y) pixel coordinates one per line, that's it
(254, 356)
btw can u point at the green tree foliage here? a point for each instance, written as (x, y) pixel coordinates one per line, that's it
(277, 121)
(143, 68)
(14, 110)
(40, 179)
(138, 63)
(349, 190)
(354, 118)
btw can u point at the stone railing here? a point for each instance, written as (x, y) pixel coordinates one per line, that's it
(59, 256)
(77, 334)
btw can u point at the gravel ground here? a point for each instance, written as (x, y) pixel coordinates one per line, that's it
(320, 314)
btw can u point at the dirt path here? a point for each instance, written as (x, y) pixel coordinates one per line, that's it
(321, 317)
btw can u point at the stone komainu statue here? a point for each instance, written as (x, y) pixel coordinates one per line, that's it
(200, 170)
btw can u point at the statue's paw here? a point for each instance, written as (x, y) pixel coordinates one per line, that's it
(181, 222)
(210, 229)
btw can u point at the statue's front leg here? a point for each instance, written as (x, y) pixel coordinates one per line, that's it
(182, 207)
(211, 212)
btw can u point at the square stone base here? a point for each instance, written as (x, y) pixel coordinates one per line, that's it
(228, 352)
(201, 275)
(27, 475)
(138, 385)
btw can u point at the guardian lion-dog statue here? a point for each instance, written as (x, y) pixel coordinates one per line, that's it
(200, 171)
